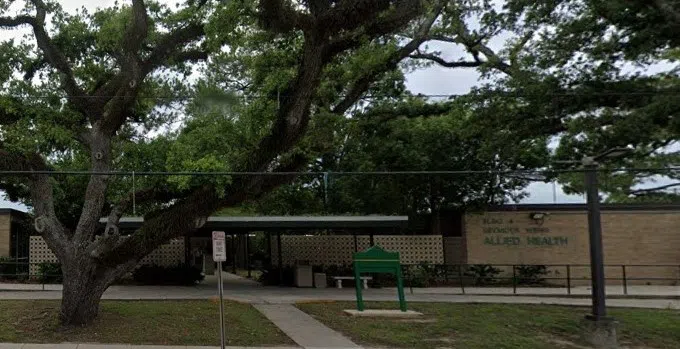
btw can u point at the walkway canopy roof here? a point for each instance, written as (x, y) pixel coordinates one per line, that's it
(288, 222)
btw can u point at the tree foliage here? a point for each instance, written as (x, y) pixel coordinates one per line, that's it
(277, 86)
(96, 85)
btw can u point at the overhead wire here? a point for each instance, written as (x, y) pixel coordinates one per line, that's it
(338, 173)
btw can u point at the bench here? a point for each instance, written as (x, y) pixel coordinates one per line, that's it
(338, 280)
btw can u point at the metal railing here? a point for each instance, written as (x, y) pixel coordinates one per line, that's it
(533, 276)
(18, 270)
(427, 275)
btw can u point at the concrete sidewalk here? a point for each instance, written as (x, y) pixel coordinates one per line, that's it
(295, 297)
(247, 291)
(303, 329)
(240, 286)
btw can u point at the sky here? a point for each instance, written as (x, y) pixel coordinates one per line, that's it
(431, 81)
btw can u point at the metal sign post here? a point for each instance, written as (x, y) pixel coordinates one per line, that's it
(219, 256)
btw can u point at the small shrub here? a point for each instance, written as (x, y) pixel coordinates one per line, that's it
(482, 274)
(531, 274)
(423, 275)
(50, 273)
(179, 275)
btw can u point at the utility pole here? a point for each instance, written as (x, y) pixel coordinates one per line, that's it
(599, 310)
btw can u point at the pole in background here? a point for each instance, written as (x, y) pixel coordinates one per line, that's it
(247, 256)
(219, 256)
(595, 235)
(234, 252)
(325, 190)
(279, 257)
(134, 199)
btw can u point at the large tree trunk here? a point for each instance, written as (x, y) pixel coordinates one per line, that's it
(84, 286)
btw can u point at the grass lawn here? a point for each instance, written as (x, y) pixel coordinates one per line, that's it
(141, 322)
(495, 326)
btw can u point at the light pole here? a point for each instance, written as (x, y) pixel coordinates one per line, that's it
(590, 165)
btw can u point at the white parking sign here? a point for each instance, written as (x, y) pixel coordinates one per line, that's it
(219, 246)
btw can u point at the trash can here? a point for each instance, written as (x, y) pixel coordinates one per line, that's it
(320, 280)
(208, 264)
(303, 274)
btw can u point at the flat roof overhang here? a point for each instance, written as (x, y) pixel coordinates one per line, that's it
(286, 222)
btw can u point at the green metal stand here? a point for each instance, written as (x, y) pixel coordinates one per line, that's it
(377, 260)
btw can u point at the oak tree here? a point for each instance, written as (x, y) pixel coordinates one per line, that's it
(83, 91)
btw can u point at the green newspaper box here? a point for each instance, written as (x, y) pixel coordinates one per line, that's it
(377, 260)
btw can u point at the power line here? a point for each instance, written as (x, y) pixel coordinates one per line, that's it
(339, 173)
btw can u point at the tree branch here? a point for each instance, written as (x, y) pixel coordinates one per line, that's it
(51, 53)
(95, 193)
(138, 30)
(171, 43)
(350, 15)
(9, 22)
(189, 56)
(280, 16)
(361, 85)
(652, 190)
(444, 63)
(293, 114)
(124, 86)
(475, 46)
(391, 112)
(443, 38)
(111, 236)
(402, 13)
(42, 199)
(192, 212)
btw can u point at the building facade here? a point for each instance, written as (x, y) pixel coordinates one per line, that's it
(641, 243)
(13, 236)
(644, 239)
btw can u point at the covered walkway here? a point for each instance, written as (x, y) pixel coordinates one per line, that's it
(240, 229)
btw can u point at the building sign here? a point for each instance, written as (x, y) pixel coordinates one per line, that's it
(505, 232)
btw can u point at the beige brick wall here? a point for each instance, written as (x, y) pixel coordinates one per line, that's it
(629, 237)
(454, 250)
(5, 235)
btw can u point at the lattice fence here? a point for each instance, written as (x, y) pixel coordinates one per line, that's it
(167, 255)
(39, 253)
(338, 249)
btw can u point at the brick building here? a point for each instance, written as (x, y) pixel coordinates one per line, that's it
(644, 238)
(13, 236)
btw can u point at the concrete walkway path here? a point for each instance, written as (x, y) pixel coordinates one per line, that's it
(247, 291)
(306, 331)
(235, 284)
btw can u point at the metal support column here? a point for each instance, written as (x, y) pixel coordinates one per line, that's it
(234, 252)
(247, 256)
(187, 251)
(280, 257)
